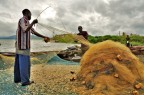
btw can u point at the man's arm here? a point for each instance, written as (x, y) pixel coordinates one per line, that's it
(36, 33)
(86, 35)
(46, 39)
(30, 26)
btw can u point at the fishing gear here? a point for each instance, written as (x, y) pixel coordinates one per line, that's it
(43, 11)
(50, 26)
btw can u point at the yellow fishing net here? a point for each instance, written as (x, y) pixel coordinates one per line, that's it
(109, 68)
(79, 38)
(36, 58)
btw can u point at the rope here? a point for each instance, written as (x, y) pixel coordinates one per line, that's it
(42, 11)
(53, 28)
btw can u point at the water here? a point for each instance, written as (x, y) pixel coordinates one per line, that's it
(36, 46)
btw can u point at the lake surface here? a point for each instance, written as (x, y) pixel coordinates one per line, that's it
(36, 46)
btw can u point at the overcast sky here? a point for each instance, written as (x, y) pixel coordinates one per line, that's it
(98, 17)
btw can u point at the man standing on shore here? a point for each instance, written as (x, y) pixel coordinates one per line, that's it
(22, 58)
(84, 48)
(127, 41)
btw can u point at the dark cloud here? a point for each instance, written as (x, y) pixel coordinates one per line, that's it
(96, 16)
(120, 14)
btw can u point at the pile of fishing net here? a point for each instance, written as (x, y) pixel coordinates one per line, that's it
(6, 62)
(36, 58)
(109, 68)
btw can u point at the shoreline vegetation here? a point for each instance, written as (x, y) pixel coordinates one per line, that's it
(135, 40)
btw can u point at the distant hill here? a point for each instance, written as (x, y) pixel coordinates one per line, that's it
(14, 37)
(8, 37)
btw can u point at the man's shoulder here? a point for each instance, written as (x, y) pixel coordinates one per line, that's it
(23, 20)
(85, 32)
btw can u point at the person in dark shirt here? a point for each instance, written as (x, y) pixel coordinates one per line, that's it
(128, 41)
(85, 35)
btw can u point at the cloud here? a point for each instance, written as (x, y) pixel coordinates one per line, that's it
(98, 17)
(7, 28)
(5, 15)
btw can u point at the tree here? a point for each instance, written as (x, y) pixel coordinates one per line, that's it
(124, 34)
